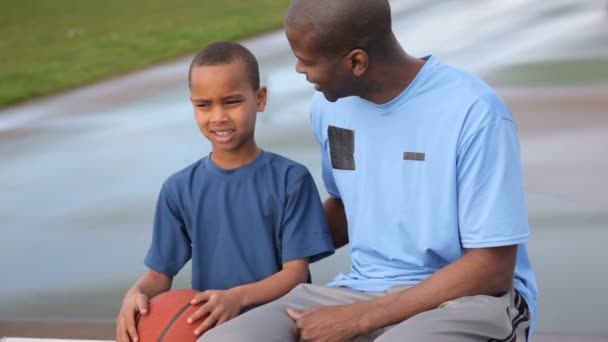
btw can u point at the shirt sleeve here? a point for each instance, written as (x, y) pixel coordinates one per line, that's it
(170, 248)
(305, 230)
(491, 201)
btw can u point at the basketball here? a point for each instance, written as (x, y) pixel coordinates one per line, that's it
(167, 317)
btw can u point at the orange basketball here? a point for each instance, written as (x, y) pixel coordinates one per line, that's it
(167, 317)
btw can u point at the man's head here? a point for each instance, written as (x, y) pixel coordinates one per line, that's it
(226, 95)
(334, 39)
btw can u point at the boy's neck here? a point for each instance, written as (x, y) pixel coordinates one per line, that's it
(234, 159)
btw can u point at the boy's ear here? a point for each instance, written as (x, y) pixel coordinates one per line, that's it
(358, 61)
(261, 96)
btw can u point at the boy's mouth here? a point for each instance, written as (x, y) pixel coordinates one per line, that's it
(224, 133)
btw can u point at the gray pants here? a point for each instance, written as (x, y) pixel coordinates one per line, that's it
(467, 319)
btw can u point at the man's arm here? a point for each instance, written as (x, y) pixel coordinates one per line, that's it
(483, 271)
(336, 218)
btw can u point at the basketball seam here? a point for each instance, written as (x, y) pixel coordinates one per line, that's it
(162, 335)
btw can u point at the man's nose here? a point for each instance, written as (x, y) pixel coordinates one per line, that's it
(300, 68)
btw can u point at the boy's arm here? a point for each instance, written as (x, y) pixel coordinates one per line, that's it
(151, 284)
(294, 272)
(135, 302)
(225, 305)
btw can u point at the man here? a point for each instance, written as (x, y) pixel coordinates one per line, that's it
(422, 165)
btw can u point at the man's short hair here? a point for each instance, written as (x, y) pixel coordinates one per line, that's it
(225, 52)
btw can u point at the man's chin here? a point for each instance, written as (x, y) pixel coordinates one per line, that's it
(330, 97)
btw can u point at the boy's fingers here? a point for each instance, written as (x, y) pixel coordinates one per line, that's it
(124, 336)
(130, 327)
(133, 334)
(122, 333)
(222, 320)
(142, 304)
(203, 310)
(199, 298)
(207, 324)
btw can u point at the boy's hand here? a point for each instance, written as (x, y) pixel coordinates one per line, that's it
(132, 306)
(220, 305)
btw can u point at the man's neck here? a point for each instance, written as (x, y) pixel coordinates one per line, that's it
(388, 80)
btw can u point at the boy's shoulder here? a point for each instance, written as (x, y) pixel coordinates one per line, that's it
(286, 165)
(184, 176)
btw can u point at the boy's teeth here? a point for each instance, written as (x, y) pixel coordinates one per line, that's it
(223, 133)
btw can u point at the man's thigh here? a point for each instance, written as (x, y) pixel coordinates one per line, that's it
(270, 322)
(467, 319)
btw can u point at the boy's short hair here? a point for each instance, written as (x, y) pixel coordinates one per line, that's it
(225, 52)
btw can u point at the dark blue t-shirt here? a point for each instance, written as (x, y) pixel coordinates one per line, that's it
(238, 226)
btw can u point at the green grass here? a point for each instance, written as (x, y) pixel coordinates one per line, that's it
(567, 72)
(52, 45)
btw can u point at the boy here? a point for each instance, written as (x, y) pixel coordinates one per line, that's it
(250, 220)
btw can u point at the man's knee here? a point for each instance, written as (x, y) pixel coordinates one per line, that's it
(404, 331)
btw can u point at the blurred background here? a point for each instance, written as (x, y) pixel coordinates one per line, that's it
(94, 115)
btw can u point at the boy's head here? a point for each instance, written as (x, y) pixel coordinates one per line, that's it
(226, 95)
(334, 39)
(224, 52)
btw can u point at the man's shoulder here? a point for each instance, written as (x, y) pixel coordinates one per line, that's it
(464, 83)
(458, 88)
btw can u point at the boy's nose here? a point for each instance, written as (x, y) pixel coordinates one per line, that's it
(219, 115)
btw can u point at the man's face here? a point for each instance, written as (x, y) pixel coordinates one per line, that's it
(328, 75)
(225, 105)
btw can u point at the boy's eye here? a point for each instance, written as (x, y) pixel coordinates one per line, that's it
(232, 102)
(203, 105)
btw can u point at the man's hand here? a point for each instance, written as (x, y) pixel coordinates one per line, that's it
(132, 306)
(336, 323)
(221, 306)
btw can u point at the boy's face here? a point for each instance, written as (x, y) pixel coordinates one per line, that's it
(328, 75)
(225, 106)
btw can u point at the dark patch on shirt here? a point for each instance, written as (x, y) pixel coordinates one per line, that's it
(341, 148)
(419, 156)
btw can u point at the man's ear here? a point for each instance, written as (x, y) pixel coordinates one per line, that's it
(261, 96)
(358, 61)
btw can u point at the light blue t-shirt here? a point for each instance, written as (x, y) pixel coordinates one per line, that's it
(433, 171)
(238, 226)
